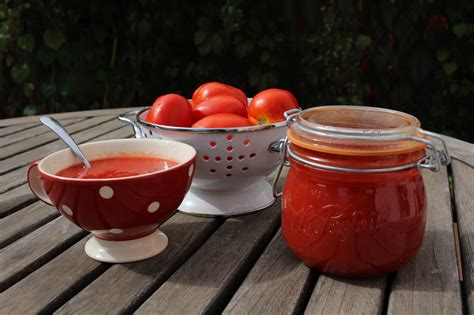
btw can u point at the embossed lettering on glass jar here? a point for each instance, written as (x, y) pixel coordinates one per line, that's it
(354, 202)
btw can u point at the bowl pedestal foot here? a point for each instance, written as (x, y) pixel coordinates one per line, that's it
(126, 251)
(228, 202)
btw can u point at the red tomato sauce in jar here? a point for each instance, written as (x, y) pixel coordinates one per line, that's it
(354, 207)
(115, 167)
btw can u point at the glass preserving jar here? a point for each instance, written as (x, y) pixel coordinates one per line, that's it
(354, 202)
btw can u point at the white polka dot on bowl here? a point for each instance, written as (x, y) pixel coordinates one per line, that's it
(106, 192)
(190, 171)
(67, 210)
(154, 206)
(116, 231)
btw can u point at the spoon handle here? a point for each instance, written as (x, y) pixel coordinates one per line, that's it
(58, 129)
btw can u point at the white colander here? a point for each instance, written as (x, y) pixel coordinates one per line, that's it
(231, 165)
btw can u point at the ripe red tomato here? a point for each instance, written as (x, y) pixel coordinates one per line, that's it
(219, 104)
(171, 110)
(269, 106)
(223, 120)
(211, 89)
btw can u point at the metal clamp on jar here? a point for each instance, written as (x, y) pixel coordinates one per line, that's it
(354, 202)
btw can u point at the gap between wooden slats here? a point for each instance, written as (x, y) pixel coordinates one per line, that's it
(463, 184)
(124, 283)
(429, 284)
(207, 281)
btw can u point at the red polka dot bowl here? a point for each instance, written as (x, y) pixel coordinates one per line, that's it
(122, 213)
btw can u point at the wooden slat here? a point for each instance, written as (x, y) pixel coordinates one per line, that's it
(23, 222)
(12, 199)
(32, 132)
(429, 284)
(51, 284)
(5, 131)
(25, 158)
(123, 286)
(85, 113)
(276, 284)
(18, 177)
(13, 179)
(12, 151)
(461, 150)
(30, 252)
(347, 296)
(463, 177)
(208, 279)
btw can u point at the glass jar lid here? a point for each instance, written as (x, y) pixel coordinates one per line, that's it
(356, 130)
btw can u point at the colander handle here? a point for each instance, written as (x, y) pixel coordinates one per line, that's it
(281, 147)
(136, 129)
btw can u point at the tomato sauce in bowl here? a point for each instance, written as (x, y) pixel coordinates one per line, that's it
(118, 167)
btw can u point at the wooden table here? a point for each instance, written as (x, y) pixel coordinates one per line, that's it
(212, 265)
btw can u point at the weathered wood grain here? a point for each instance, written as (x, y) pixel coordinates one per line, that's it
(124, 286)
(208, 279)
(429, 284)
(463, 177)
(48, 286)
(23, 222)
(12, 199)
(5, 131)
(18, 177)
(276, 284)
(32, 132)
(11, 152)
(460, 150)
(33, 250)
(347, 296)
(25, 158)
(85, 113)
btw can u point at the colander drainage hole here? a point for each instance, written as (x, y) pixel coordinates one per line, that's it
(229, 167)
(245, 168)
(230, 138)
(252, 155)
(230, 148)
(241, 157)
(217, 158)
(213, 144)
(151, 133)
(228, 175)
(212, 170)
(246, 142)
(205, 158)
(229, 158)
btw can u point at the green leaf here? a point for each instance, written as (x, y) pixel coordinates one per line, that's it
(26, 42)
(29, 110)
(449, 68)
(459, 29)
(19, 73)
(53, 39)
(199, 37)
(363, 41)
(28, 89)
(442, 55)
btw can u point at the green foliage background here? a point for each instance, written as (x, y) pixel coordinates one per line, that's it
(415, 56)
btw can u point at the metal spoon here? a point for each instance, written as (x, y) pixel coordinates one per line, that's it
(58, 129)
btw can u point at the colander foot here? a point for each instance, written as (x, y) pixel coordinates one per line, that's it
(228, 202)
